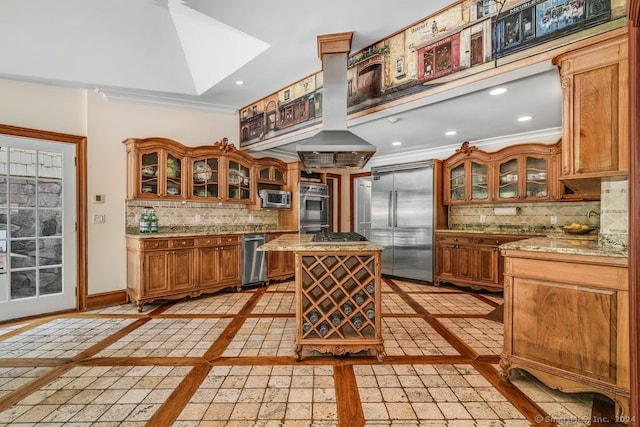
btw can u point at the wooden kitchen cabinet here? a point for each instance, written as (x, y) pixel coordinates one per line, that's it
(595, 110)
(566, 319)
(280, 264)
(174, 268)
(471, 259)
(160, 168)
(218, 261)
(271, 171)
(207, 177)
(519, 173)
(526, 172)
(157, 171)
(467, 176)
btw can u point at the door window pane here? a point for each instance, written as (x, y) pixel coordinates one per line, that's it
(50, 281)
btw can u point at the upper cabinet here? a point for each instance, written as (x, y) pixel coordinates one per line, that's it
(524, 172)
(595, 123)
(160, 168)
(467, 176)
(271, 171)
(158, 171)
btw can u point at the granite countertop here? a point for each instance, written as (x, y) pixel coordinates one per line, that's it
(578, 245)
(178, 231)
(302, 243)
(501, 229)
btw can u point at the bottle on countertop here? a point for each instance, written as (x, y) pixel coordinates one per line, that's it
(153, 221)
(144, 224)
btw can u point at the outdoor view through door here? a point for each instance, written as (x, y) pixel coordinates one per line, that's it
(37, 227)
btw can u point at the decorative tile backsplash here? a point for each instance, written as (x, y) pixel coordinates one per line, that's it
(193, 214)
(614, 219)
(528, 217)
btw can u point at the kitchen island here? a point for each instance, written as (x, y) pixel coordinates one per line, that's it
(566, 315)
(338, 284)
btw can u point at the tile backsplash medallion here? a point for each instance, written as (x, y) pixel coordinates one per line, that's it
(614, 220)
(201, 215)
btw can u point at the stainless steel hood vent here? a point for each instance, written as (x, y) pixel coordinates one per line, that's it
(334, 146)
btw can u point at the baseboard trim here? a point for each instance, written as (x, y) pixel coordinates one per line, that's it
(106, 298)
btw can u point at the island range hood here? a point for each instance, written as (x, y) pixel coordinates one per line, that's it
(334, 147)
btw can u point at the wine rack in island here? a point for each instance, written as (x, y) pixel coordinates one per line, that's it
(338, 307)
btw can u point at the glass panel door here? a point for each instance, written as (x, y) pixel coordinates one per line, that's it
(37, 227)
(536, 177)
(479, 181)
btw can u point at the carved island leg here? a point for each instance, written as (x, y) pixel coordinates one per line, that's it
(297, 353)
(140, 304)
(505, 368)
(380, 354)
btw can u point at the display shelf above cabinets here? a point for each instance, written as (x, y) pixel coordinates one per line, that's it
(160, 168)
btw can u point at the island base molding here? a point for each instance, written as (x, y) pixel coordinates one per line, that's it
(564, 382)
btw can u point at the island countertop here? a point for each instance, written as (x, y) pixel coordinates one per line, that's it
(302, 243)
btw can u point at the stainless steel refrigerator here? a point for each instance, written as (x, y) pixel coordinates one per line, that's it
(403, 218)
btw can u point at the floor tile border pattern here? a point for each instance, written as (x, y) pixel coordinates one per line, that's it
(348, 403)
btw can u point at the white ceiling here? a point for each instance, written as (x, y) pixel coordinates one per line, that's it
(190, 53)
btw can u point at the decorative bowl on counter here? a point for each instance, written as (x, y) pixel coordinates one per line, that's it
(577, 229)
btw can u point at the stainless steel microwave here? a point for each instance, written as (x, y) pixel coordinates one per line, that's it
(275, 199)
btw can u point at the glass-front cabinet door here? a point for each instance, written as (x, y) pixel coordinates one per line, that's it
(160, 174)
(173, 175)
(239, 181)
(508, 179)
(479, 182)
(149, 168)
(536, 174)
(206, 178)
(456, 183)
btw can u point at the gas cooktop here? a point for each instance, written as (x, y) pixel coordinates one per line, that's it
(344, 237)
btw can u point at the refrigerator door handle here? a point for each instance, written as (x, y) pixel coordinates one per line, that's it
(390, 209)
(395, 209)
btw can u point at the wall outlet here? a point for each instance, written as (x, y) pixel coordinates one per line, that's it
(553, 219)
(198, 218)
(99, 218)
(483, 218)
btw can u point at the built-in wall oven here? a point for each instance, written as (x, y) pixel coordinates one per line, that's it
(314, 208)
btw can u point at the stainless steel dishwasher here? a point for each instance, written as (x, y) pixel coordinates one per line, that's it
(254, 262)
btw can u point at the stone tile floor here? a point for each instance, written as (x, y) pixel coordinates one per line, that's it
(227, 360)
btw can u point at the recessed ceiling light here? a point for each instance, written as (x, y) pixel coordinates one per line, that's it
(498, 91)
(450, 132)
(239, 82)
(524, 118)
(396, 143)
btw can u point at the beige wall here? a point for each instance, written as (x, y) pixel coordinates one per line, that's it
(106, 124)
